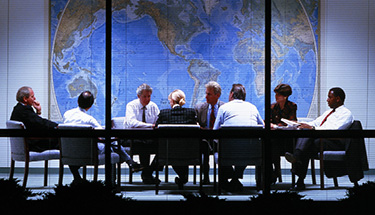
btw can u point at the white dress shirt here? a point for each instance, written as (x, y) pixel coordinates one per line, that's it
(342, 118)
(79, 116)
(134, 114)
(238, 113)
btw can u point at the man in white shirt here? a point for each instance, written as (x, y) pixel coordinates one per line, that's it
(79, 115)
(237, 112)
(143, 113)
(337, 118)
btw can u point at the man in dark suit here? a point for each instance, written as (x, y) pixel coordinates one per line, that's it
(178, 115)
(25, 113)
(206, 119)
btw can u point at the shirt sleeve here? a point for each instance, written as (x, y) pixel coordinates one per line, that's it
(131, 117)
(219, 119)
(339, 120)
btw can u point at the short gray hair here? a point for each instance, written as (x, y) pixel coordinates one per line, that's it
(214, 85)
(143, 87)
(23, 92)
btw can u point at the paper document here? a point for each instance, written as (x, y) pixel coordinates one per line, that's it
(290, 123)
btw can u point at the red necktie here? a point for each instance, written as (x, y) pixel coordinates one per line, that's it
(212, 117)
(325, 119)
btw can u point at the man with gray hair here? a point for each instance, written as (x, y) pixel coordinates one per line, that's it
(24, 112)
(206, 114)
(143, 113)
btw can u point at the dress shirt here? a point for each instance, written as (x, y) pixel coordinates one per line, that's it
(341, 118)
(209, 112)
(134, 114)
(238, 113)
(79, 116)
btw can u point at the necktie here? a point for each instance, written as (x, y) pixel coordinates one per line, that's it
(144, 114)
(325, 119)
(212, 117)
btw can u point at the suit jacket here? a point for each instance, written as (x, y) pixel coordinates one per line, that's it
(356, 158)
(201, 111)
(177, 115)
(27, 115)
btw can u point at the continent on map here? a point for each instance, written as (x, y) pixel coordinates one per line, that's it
(202, 73)
(80, 84)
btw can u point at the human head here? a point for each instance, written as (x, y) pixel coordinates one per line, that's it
(177, 97)
(85, 100)
(283, 91)
(238, 91)
(213, 92)
(144, 92)
(336, 97)
(25, 95)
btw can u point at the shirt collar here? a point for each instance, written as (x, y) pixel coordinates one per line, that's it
(216, 105)
(81, 109)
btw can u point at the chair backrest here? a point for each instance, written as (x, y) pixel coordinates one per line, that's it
(17, 144)
(179, 150)
(240, 151)
(118, 122)
(78, 150)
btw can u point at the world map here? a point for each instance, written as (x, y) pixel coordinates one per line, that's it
(180, 44)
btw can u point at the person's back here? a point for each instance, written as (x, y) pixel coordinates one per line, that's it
(79, 116)
(239, 113)
(177, 115)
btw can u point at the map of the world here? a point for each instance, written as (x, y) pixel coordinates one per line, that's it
(180, 44)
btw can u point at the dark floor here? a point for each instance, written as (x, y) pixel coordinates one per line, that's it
(169, 192)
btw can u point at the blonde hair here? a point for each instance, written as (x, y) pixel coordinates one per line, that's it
(178, 97)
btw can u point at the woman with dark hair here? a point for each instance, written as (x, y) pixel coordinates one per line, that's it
(282, 108)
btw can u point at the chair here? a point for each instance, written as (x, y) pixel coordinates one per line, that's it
(83, 151)
(239, 152)
(179, 151)
(20, 152)
(118, 123)
(352, 161)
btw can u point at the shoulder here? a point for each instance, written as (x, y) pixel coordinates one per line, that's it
(344, 110)
(200, 106)
(221, 103)
(189, 110)
(292, 104)
(133, 103)
(153, 105)
(165, 111)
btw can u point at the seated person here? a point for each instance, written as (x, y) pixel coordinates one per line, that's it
(24, 112)
(237, 112)
(282, 108)
(178, 115)
(79, 116)
(338, 117)
(206, 115)
(142, 113)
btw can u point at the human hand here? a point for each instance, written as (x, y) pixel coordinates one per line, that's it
(37, 107)
(305, 126)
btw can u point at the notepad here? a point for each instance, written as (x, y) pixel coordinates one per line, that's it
(290, 123)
